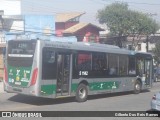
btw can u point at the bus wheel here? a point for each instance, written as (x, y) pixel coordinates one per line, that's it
(82, 93)
(137, 87)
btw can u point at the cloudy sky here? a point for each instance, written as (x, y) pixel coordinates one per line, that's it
(52, 7)
(151, 7)
(10, 7)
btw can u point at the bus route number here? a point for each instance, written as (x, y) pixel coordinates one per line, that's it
(83, 73)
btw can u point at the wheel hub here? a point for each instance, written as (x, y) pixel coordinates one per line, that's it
(82, 93)
(137, 87)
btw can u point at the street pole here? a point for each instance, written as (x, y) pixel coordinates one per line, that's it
(147, 43)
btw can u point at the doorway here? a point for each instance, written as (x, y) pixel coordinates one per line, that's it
(148, 71)
(63, 74)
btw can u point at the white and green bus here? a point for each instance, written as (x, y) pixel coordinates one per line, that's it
(55, 69)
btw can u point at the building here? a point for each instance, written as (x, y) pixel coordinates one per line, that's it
(141, 44)
(2, 45)
(68, 24)
(7, 7)
(137, 44)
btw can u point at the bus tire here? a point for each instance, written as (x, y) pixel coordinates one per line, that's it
(137, 87)
(82, 93)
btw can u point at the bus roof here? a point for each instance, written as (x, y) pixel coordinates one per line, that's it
(84, 46)
(96, 47)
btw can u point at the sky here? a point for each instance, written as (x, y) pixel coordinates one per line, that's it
(150, 7)
(10, 7)
(90, 7)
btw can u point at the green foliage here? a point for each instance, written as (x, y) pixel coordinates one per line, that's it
(121, 21)
(156, 52)
(115, 17)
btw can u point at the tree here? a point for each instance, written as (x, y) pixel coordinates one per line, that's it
(121, 21)
(156, 52)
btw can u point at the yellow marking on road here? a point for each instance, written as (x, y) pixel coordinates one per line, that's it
(62, 96)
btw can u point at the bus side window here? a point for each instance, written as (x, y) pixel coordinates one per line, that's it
(113, 64)
(48, 64)
(132, 65)
(123, 65)
(112, 71)
(140, 66)
(84, 61)
(99, 61)
(51, 57)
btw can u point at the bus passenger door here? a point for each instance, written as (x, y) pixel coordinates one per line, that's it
(63, 74)
(148, 72)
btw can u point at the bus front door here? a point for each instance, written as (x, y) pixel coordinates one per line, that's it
(63, 74)
(148, 72)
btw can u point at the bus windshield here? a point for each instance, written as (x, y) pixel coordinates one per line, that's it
(20, 53)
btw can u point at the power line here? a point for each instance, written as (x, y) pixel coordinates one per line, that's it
(48, 10)
(133, 2)
(144, 3)
(99, 2)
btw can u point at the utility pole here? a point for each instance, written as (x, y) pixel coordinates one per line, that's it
(147, 39)
(147, 43)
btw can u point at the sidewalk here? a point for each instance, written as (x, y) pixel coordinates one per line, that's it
(1, 87)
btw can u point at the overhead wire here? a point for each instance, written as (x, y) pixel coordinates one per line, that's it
(47, 7)
(48, 10)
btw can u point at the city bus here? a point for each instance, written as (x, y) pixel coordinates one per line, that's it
(55, 69)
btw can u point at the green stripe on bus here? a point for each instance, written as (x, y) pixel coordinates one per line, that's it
(103, 85)
(48, 89)
(98, 86)
(51, 89)
(74, 87)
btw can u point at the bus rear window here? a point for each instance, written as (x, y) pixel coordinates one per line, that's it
(20, 53)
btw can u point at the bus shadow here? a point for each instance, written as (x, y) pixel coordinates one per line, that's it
(107, 95)
(39, 101)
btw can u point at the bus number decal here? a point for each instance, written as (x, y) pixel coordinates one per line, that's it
(83, 73)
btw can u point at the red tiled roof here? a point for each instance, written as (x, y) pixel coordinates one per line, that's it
(64, 17)
(79, 26)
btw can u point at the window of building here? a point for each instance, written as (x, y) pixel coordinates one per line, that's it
(92, 38)
(139, 47)
(130, 47)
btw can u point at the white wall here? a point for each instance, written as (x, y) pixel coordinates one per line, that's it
(2, 37)
(11, 7)
(143, 47)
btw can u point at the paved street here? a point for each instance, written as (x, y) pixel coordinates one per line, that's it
(1, 87)
(111, 102)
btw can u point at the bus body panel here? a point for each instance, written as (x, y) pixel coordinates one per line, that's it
(44, 87)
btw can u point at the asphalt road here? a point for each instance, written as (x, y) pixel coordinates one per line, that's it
(110, 102)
